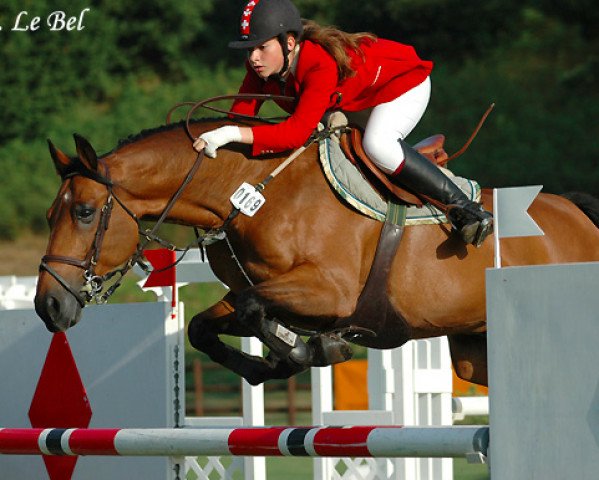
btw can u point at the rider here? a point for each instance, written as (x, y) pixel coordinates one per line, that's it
(327, 69)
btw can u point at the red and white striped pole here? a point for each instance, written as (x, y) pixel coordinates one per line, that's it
(356, 441)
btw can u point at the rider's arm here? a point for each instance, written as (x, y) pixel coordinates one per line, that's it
(317, 78)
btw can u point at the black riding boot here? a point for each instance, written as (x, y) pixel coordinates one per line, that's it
(468, 218)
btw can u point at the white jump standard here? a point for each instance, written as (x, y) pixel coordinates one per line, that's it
(357, 441)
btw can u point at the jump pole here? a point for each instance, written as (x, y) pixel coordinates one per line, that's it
(355, 441)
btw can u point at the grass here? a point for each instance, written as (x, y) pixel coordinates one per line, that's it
(22, 258)
(301, 468)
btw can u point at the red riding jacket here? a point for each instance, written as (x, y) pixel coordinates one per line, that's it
(389, 70)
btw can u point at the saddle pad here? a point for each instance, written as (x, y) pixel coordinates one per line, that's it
(354, 189)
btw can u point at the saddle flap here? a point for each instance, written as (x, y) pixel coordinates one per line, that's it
(363, 191)
(403, 195)
(431, 148)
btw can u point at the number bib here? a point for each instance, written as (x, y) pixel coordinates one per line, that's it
(247, 199)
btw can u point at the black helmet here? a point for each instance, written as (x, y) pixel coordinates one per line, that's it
(262, 20)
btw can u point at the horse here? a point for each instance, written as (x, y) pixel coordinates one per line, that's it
(297, 267)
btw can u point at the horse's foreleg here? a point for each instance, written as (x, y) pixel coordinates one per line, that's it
(258, 306)
(204, 330)
(282, 342)
(469, 357)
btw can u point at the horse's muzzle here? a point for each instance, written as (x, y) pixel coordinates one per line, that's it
(58, 309)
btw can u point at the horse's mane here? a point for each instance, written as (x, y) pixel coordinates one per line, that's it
(164, 128)
(585, 202)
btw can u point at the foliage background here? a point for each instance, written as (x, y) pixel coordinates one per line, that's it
(536, 59)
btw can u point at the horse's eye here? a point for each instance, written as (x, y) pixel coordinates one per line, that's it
(84, 213)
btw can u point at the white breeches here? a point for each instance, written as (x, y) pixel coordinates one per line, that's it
(393, 120)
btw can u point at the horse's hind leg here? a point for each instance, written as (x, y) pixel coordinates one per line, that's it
(204, 330)
(469, 357)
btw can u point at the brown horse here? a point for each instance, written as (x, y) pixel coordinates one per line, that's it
(301, 262)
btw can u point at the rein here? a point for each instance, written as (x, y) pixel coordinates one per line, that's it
(239, 96)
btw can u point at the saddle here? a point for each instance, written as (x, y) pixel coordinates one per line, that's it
(432, 148)
(373, 301)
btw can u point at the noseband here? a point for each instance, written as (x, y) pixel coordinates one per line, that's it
(94, 283)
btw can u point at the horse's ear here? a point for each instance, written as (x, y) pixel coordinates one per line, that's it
(86, 153)
(61, 161)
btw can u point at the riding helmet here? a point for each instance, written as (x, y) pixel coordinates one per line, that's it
(262, 20)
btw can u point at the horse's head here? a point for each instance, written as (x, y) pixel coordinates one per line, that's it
(90, 235)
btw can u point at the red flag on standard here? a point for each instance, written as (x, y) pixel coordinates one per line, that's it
(163, 273)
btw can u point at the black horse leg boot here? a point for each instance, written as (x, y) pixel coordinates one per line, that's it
(468, 218)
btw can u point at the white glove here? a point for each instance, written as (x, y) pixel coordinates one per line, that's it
(221, 136)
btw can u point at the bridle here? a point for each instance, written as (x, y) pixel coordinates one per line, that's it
(92, 288)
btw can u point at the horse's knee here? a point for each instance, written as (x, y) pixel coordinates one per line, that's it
(250, 310)
(199, 332)
(204, 326)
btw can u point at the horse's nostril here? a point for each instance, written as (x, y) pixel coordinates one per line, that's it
(52, 306)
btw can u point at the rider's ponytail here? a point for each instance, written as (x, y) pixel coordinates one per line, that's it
(336, 43)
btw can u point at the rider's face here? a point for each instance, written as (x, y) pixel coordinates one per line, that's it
(266, 59)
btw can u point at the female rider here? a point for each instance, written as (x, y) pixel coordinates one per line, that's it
(326, 69)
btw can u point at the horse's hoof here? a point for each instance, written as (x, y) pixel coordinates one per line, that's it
(301, 354)
(328, 349)
(254, 380)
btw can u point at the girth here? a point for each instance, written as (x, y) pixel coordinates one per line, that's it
(373, 301)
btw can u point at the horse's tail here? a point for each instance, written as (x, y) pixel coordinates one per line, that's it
(587, 203)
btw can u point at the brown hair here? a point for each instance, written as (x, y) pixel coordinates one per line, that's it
(336, 43)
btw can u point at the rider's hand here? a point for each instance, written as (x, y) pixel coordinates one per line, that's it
(199, 144)
(215, 139)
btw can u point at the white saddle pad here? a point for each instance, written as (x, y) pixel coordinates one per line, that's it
(353, 188)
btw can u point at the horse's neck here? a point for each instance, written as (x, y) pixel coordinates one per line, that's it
(152, 170)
